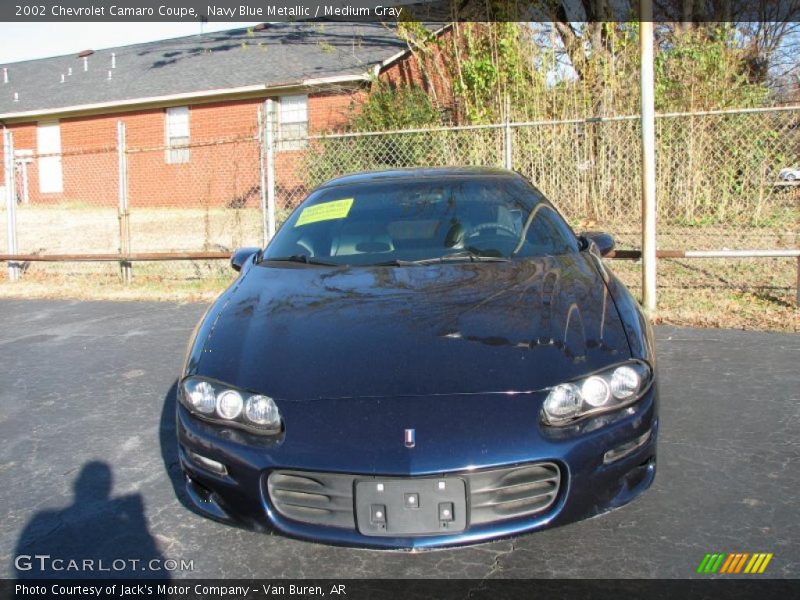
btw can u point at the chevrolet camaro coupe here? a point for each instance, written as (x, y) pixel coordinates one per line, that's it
(419, 358)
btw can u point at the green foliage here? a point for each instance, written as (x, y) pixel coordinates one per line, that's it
(702, 70)
(387, 108)
(717, 169)
(491, 64)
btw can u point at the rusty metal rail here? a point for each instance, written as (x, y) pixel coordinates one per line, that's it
(167, 256)
(134, 257)
(636, 254)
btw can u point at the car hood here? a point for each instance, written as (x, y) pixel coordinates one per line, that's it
(299, 332)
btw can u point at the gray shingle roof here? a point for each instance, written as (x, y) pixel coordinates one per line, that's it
(281, 54)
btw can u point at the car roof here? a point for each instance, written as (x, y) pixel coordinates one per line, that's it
(416, 173)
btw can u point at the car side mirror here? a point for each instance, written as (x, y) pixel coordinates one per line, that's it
(241, 256)
(604, 242)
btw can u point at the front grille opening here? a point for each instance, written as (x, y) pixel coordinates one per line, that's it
(512, 492)
(316, 498)
(493, 495)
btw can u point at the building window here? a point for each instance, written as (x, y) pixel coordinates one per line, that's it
(292, 122)
(177, 134)
(48, 147)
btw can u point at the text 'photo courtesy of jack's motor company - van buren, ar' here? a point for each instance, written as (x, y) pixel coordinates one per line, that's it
(216, 590)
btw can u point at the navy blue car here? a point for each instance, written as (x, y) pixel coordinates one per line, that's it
(419, 358)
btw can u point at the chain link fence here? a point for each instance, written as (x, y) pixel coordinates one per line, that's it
(209, 200)
(49, 218)
(718, 182)
(56, 222)
(719, 186)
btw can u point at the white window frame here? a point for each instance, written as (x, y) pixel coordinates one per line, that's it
(177, 135)
(48, 146)
(291, 122)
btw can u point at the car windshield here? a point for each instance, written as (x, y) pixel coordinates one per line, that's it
(422, 220)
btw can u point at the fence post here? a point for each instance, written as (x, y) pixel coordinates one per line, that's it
(11, 201)
(508, 158)
(262, 176)
(508, 161)
(797, 298)
(648, 157)
(123, 214)
(269, 142)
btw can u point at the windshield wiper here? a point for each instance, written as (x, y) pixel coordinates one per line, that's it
(395, 262)
(471, 255)
(301, 258)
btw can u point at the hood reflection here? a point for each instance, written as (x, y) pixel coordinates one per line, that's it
(434, 329)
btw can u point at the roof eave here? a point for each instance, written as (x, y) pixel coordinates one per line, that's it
(207, 95)
(242, 92)
(379, 67)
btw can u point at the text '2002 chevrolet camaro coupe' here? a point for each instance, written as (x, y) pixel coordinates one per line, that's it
(419, 358)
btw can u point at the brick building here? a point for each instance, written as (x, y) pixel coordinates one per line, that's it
(304, 77)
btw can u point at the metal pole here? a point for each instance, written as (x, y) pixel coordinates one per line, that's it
(262, 173)
(508, 161)
(11, 201)
(797, 298)
(648, 157)
(270, 143)
(126, 270)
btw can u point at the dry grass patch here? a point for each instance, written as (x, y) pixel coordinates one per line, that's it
(740, 294)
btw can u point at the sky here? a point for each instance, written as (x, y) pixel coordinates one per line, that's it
(25, 41)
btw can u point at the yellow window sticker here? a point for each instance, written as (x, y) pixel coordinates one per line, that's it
(327, 211)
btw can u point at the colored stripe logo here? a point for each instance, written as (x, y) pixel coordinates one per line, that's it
(739, 562)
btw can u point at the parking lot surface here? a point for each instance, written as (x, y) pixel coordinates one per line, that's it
(88, 464)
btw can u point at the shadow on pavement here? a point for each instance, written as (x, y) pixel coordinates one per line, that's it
(95, 536)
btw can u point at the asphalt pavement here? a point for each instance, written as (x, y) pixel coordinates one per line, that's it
(88, 464)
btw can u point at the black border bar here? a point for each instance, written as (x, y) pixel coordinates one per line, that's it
(733, 588)
(392, 10)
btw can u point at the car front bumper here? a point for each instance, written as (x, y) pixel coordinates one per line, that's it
(510, 440)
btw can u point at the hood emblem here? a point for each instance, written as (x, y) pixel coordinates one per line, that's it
(411, 438)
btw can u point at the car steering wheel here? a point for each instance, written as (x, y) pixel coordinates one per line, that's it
(482, 227)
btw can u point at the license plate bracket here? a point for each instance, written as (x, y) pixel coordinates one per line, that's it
(411, 506)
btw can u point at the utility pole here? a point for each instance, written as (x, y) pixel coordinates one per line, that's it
(11, 201)
(123, 211)
(647, 82)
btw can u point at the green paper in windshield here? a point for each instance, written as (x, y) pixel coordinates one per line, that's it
(327, 211)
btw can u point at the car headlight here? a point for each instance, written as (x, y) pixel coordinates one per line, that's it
(601, 392)
(225, 404)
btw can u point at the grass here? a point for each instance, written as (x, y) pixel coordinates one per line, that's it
(757, 294)
(736, 293)
(740, 294)
(199, 281)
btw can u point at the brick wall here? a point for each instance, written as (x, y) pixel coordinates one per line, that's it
(217, 174)
(223, 169)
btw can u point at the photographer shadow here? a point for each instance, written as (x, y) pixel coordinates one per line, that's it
(97, 536)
